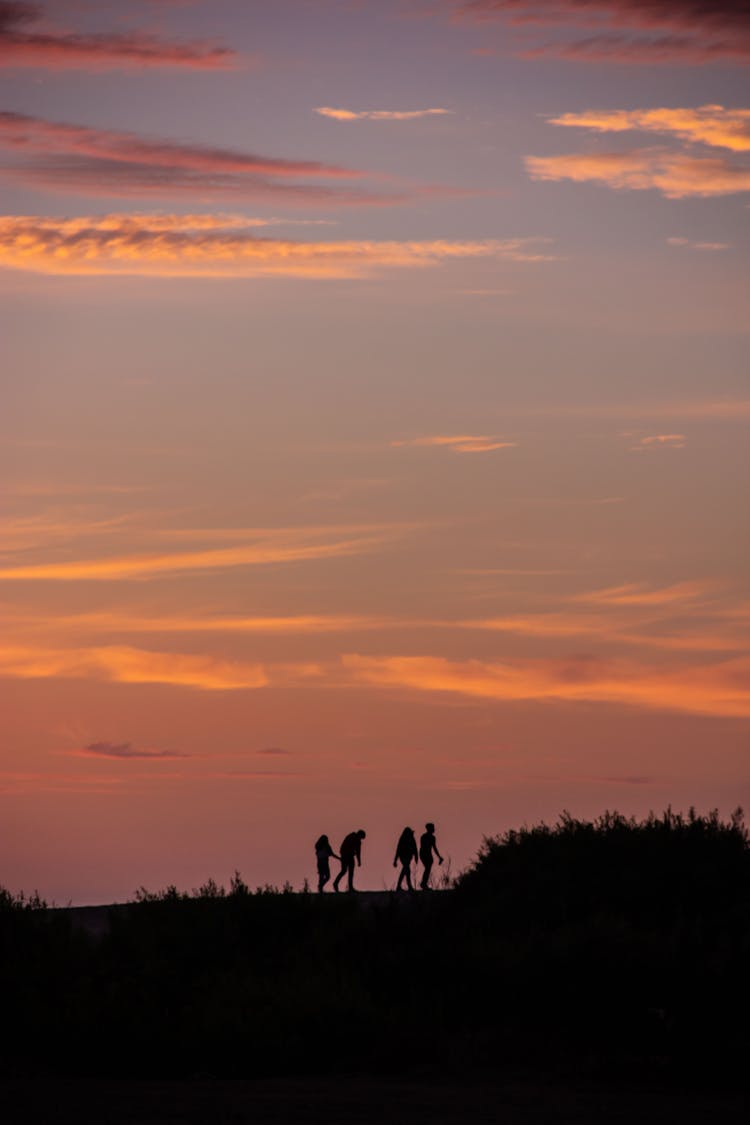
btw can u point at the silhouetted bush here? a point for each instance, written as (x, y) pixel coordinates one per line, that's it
(613, 944)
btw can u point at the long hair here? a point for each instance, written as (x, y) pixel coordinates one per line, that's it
(321, 842)
(405, 839)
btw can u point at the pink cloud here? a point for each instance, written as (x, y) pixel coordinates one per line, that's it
(627, 31)
(106, 162)
(26, 136)
(27, 41)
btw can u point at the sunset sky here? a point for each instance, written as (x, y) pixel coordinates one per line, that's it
(374, 430)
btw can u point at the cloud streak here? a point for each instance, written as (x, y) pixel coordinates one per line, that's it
(61, 156)
(711, 125)
(124, 664)
(379, 114)
(181, 246)
(27, 135)
(625, 31)
(718, 690)
(459, 443)
(676, 175)
(121, 751)
(295, 546)
(27, 41)
(659, 441)
(680, 594)
(689, 244)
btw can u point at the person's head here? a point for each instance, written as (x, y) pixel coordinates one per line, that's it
(407, 833)
(430, 826)
(322, 842)
(361, 833)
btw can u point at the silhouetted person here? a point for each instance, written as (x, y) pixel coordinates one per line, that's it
(406, 854)
(351, 850)
(324, 853)
(428, 846)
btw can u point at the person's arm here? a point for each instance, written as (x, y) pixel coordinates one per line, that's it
(435, 849)
(395, 860)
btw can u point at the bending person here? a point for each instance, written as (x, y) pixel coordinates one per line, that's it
(428, 847)
(351, 850)
(406, 853)
(324, 853)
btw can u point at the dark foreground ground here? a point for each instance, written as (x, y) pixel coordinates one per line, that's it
(363, 1101)
(98, 921)
(585, 973)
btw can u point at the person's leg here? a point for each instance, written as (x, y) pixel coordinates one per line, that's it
(350, 872)
(407, 873)
(324, 874)
(340, 876)
(426, 877)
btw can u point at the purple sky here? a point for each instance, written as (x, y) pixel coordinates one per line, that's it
(374, 430)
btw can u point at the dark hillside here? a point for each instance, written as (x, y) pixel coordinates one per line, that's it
(617, 948)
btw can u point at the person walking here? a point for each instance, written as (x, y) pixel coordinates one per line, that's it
(351, 850)
(406, 854)
(427, 848)
(324, 853)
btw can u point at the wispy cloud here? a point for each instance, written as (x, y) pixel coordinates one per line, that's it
(637, 625)
(625, 31)
(28, 136)
(459, 443)
(127, 665)
(379, 114)
(280, 547)
(659, 441)
(27, 39)
(16, 781)
(178, 246)
(139, 622)
(641, 594)
(122, 751)
(718, 690)
(66, 157)
(676, 175)
(689, 244)
(711, 125)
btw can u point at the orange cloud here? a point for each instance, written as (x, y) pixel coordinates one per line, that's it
(638, 594)
(676, 175)
(125, 622)
(690, 245)
(709, 124)
(127, 665)
(613, 628)
(262, 553)
(379, 114)
(23, 44)
(719, 690)
(460, 443)
(659, 441)
(177, 246)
